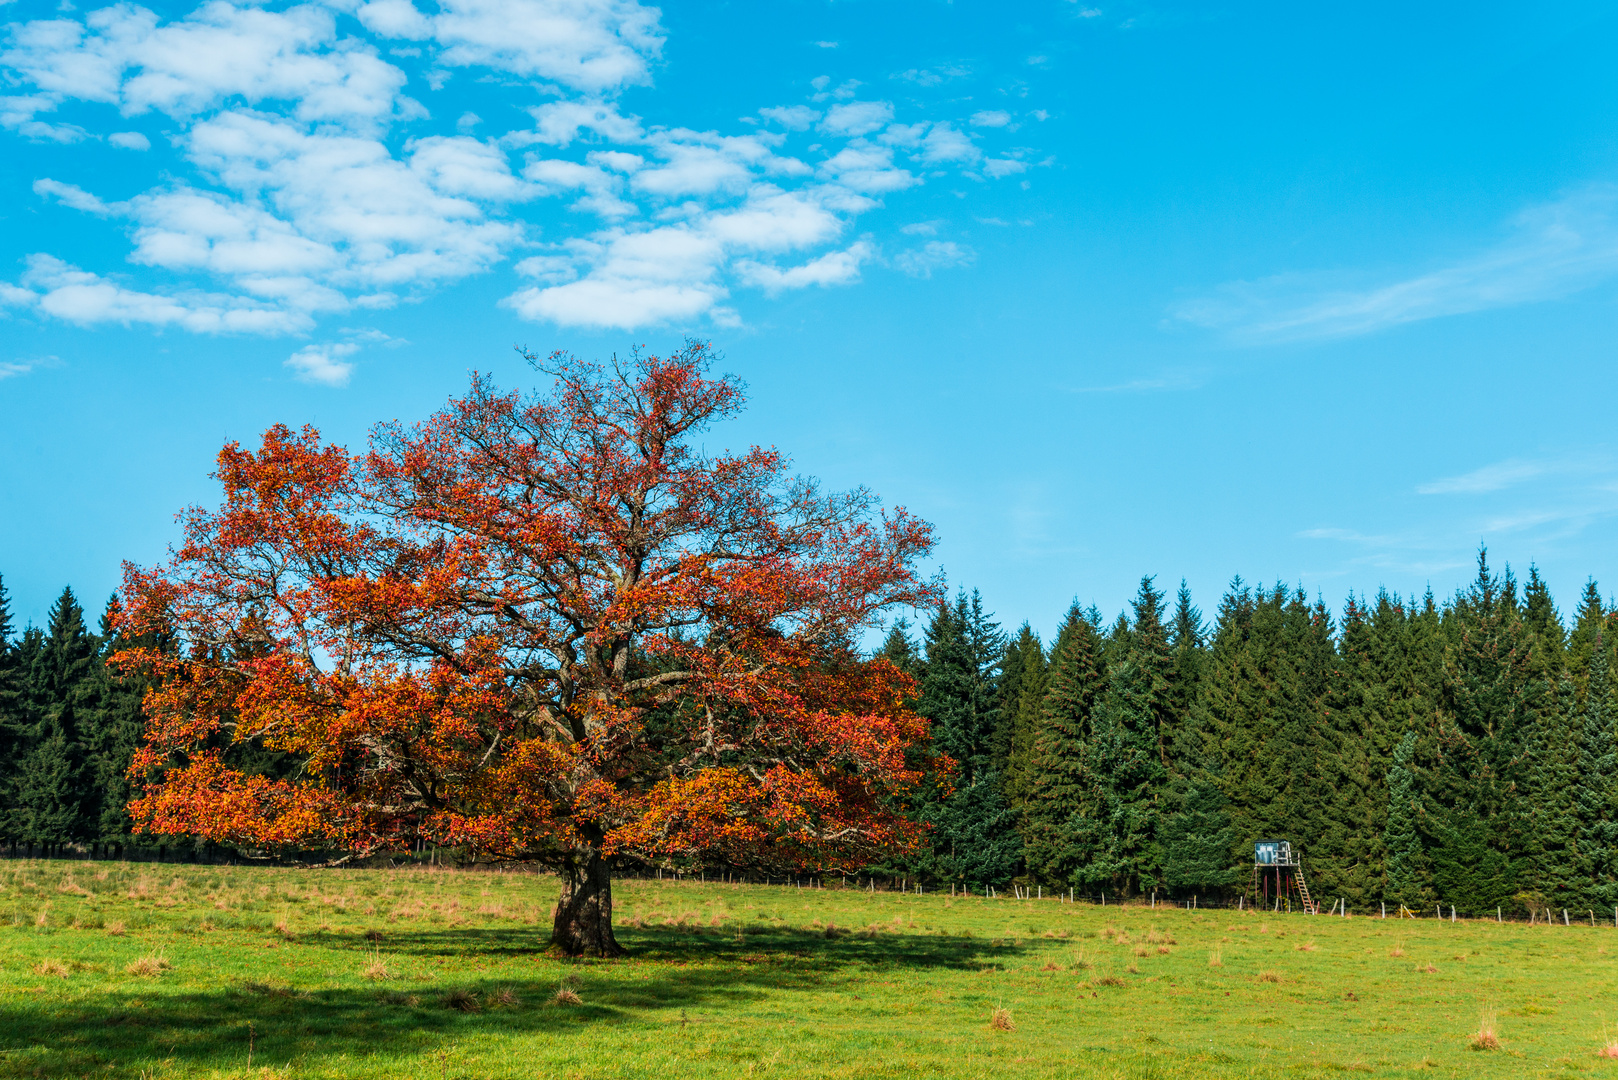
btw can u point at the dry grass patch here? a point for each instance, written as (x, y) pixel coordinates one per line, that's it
(461, 1001)
(1109, 980)
(566, 996)
(147, 967)
(1306, 946)
(1215, 959)
(1000, 1020)
(1397, 951)
(1609, 1050)
(1485, 1037)
(53, 968)
(1430, 969)
(504, 998)
(375, 969)
(1269, 976)
(116, 929)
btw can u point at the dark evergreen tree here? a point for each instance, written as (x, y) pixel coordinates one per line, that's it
(1133, 729)
(1547, 804)
(1407, 862)
(51, 788)
(1492, 695)
(15, 725)
(1596, 786)
(898, 648)
(115, 734)
(975, 838)
(1197, 842)
(1022, 701)
(1060, 822)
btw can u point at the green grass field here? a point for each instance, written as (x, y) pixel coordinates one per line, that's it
(178, 971)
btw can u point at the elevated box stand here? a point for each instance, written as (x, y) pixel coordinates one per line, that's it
(1278, 876)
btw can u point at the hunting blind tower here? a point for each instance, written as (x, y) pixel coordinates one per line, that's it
(1278, 874)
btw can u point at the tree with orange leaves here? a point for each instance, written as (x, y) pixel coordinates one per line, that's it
(545, 628)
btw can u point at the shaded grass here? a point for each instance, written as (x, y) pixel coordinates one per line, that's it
(413, 973)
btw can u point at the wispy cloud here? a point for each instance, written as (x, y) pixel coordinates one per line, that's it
(1536, 503)
(1551, 251)
(1511, 472)
(1178, 379)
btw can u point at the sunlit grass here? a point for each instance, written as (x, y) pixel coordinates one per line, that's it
(173, 971)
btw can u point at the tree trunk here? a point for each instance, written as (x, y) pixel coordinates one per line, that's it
(583, 924)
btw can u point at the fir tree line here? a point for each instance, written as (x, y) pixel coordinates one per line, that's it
(68, 728)
(1415, 752)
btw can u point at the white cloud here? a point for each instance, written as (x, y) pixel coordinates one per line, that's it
(856, 118)
(323, 364)
(66, 292)
(559, 123)
(935, 255)
(944, 143)
(299, 190)
(71, 195)
(11, 369)
(589, 45)
(921, 228)
(1553, 251)
(933, 76)
(704, 163)
(615, 304)
(121, 56)
(998, 167)
(791, 117)
(833, 268)
(600, 187)
(992, 118)
(867, 169)
(464, 166)
(394, 224)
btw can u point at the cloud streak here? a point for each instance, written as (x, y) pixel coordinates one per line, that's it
(1551, 251)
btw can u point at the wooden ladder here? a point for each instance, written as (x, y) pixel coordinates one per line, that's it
(1310, 907)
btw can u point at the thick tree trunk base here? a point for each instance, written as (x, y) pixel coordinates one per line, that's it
(583, 924)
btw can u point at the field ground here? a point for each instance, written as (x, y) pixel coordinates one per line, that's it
(180, 971)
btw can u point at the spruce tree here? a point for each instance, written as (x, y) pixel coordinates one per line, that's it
(1021, 702)
(51, 786)
(15, 727)
(975, 839)
(1133, 727)
(1596, 780)
(1492, 695)
(1263, 679)
(1197, 842)
(115, 735)
(900, 650)
(1060, 823)
(1592, 621)
(1547, 804)
(1407, 871)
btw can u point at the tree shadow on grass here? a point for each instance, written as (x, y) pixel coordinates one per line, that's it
(669, 971)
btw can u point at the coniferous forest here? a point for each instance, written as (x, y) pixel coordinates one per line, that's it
(1415, 750)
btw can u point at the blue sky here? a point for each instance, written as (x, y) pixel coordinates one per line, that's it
(1324, 297)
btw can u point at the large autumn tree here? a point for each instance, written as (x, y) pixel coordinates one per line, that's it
(547, 627)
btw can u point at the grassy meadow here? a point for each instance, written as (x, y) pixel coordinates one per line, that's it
(141, 970)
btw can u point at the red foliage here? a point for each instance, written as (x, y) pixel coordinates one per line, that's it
(531, 627)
